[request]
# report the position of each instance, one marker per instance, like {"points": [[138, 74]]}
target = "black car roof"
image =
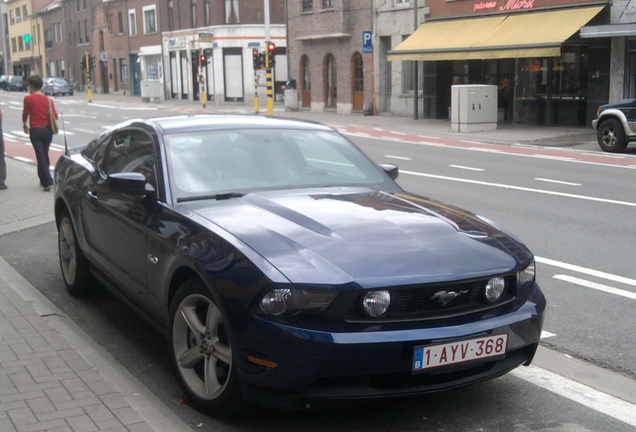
{"points": [[204, 122]]}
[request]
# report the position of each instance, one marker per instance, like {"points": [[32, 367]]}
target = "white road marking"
{"points": [[466, 168], [525, 189], [557, 181], [398, 157], [556, 158], [125, 108], [587, 271], [596, 286], [582, 394], [546, 334]]}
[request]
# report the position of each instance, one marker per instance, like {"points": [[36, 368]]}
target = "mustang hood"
{"points": [[371, 238]]}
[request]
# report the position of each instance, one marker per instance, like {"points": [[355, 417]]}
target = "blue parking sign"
{"points": [[367, 42]]}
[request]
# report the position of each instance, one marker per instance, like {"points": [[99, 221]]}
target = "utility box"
{"points": [[473, 108], [291, 100]]}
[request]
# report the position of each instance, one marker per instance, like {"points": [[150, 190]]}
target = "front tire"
{"points": [[611, 136], [73, 263], [201, 351]]}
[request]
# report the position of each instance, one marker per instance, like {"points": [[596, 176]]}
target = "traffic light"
{"points": [[92, 61], [203, 59], [83, 63], [195, 58], [270, 61], [257, 59]]}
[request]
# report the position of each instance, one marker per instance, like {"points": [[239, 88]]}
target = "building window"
{"points": [[132, 22], [358, 73], [18, 17], [48, 39], [400, 3], [150, 19], [79, 32], [170, 15], [330, 81], [327, 4], [194, 13], [408, 75], [232, 12], [207, 14], [25, 12], [14, 45], [123, 70], [308, 5], [120, 23], [86, 32], [57, 36]]}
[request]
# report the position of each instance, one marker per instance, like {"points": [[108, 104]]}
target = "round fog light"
{"points": [[376, 303], [495, 289]]}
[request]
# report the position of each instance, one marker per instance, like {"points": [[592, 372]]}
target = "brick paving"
{"points": [[46, 382]]}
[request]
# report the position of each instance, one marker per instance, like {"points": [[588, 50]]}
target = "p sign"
{"points": [[367, 42]]}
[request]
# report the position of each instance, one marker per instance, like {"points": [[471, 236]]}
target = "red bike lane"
{"points": [[22, 150], [627, 160]]}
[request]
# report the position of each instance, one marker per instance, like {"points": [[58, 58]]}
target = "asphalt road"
{"points": [[574, 216]]}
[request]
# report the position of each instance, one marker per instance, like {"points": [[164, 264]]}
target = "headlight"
{"points": [[376, 303], [527, 275], [292, 301], [495, 288]]}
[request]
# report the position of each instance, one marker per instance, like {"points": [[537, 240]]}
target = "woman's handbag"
{"points": [[52, 120]]}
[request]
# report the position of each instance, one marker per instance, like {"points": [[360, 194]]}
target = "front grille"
{"points": [[420, 301]]}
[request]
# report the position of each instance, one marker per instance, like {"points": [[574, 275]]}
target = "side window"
{"points": [[95, 149], [131, 151]]}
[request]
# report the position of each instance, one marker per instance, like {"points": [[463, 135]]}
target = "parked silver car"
{"points": [[55, 86]]}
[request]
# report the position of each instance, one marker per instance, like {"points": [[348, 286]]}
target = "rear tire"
{"points": [[611, 136], [201, 351], [73, 263]]}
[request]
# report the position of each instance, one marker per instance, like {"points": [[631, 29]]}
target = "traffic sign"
{"points": [[367, 42]]}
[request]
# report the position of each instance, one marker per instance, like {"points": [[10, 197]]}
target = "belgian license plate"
{"points": [[432, 356]]}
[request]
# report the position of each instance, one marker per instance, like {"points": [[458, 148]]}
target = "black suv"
{"points": [[615, 125]]}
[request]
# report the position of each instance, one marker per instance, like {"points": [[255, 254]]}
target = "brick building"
{"points": [[327, 57]]}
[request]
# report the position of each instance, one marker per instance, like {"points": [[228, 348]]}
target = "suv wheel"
{"points": [[611, 136]]}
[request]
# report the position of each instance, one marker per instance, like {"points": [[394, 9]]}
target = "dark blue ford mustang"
{"points": [[287, 268]]}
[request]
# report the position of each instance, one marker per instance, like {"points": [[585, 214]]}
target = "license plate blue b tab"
{"points": [[432, 356]]}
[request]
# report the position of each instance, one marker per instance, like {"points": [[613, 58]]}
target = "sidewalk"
{"points": [[55, 378]]}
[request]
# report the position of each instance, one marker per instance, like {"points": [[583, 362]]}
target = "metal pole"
{"points": [[415, 68], [268, 66]]}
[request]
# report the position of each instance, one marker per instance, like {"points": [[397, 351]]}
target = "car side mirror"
{"points": [[130, 183], [391, 170]]}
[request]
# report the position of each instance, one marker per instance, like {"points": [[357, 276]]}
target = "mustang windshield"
{"points": [[206, 163]]}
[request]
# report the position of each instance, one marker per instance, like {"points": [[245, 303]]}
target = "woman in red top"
{"points": [[36, 111]]}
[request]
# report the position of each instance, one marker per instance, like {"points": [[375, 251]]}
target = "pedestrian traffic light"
{"points": [[27, 38], [257, 59]]}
